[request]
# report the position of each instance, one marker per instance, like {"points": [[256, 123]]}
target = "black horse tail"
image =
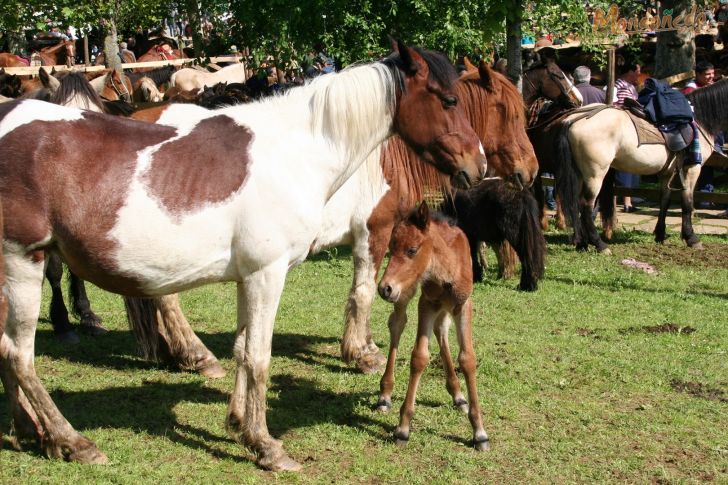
{"points": [[530, 244], [606, 205], [3, 298], [568, 179]]}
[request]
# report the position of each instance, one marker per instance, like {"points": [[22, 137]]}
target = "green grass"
{"points": [[573, 388]]}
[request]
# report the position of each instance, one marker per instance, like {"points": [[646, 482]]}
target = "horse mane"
{"points": [[159, 75], [408, 175], [441, 69], [473, 94], [75, 85], [710, 106]]}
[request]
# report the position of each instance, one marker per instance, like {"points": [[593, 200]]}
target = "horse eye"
{"points": [[411, 252], [449, 101]]}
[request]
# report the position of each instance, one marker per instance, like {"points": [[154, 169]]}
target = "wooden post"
{"points": [[611, 74], [86, 58]]}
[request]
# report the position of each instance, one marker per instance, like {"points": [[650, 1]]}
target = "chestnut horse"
{"points": [[432, 252], [12, 60], [361, 213], [160, 228], [62, 53]]}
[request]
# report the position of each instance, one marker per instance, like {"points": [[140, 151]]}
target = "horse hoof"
{"points": [[384, 405], [400, 437], [400, 443], [698, 246], [212, 370], [371, 363], [93, 330], [482, 445], [281, 463], [68, 338], [86, 453], [606, 252]]}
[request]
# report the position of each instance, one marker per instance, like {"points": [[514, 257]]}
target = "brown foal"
{"points": [[432, 251]]}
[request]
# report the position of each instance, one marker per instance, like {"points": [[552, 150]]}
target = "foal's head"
{"points": [[429, 119], [410, 248]]}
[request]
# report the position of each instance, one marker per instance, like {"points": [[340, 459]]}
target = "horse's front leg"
{"points": [[258, 298], [357, 343], [691, 174], [590, 235], [427, 316], [36, 416], [397, 322]]}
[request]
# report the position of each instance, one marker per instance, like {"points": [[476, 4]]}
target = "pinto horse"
{"points": [[160, 227], [361, 214], [431, 252], [617, 146]]}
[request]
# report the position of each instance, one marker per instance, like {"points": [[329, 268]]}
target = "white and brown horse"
{"points": [[231, 196], [361, 213], [189, 79]]}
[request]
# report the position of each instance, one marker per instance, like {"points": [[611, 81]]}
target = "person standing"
{"points": [[590, 94], [625, 88]]}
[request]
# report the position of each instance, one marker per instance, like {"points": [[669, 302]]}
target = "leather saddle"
{"points": [[677, 136]]}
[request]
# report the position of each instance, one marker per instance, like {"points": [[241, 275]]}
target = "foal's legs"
{"points": [[690, 178], [397, 322], [258, 298], [90, 322], [427, 316], [463, 325], [452, 383], [30, 402]]}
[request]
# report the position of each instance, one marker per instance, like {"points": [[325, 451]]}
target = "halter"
{"points": [[125, 94], [554, 76]]}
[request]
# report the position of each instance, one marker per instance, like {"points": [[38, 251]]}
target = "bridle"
{"points": [[557, 77], [124, 93]]}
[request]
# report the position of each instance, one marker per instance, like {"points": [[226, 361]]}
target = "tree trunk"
{"points": [[193, 14], [513, 43], [675, 49], [111, 47]]}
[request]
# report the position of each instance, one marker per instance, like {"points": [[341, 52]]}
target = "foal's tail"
{"points": [[568, 178], [530, 244]]}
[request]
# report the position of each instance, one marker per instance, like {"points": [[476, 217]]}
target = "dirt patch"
{"points": [[664, 328], [713, 255], [698, 389]]}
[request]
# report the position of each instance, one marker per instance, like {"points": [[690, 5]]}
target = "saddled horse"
{"points": [[124, 57], [193, 79], [608, 139], [160, 228], [62, 53], [12, 60], [159, 52]]}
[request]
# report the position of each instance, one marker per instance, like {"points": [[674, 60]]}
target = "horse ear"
{"points": [[422, 216], [412, 61], [486, 76], [48, 81], [469, 66]]}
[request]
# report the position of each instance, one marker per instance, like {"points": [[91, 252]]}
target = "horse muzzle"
{"points": [[389, 292]]}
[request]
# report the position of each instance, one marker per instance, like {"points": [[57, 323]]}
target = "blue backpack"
{"points": [[663, 104]]}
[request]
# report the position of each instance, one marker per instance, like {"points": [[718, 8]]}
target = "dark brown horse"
{"points": [[431, 252]]}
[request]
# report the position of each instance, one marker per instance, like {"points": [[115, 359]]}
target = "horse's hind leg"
{"points": [[58, 312], [90, 322], [660, 229], [397, 322], [163, 333], [452, 383], [357, 343], [33, 408], [427, 317], [688, 234], [463, 324]]}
